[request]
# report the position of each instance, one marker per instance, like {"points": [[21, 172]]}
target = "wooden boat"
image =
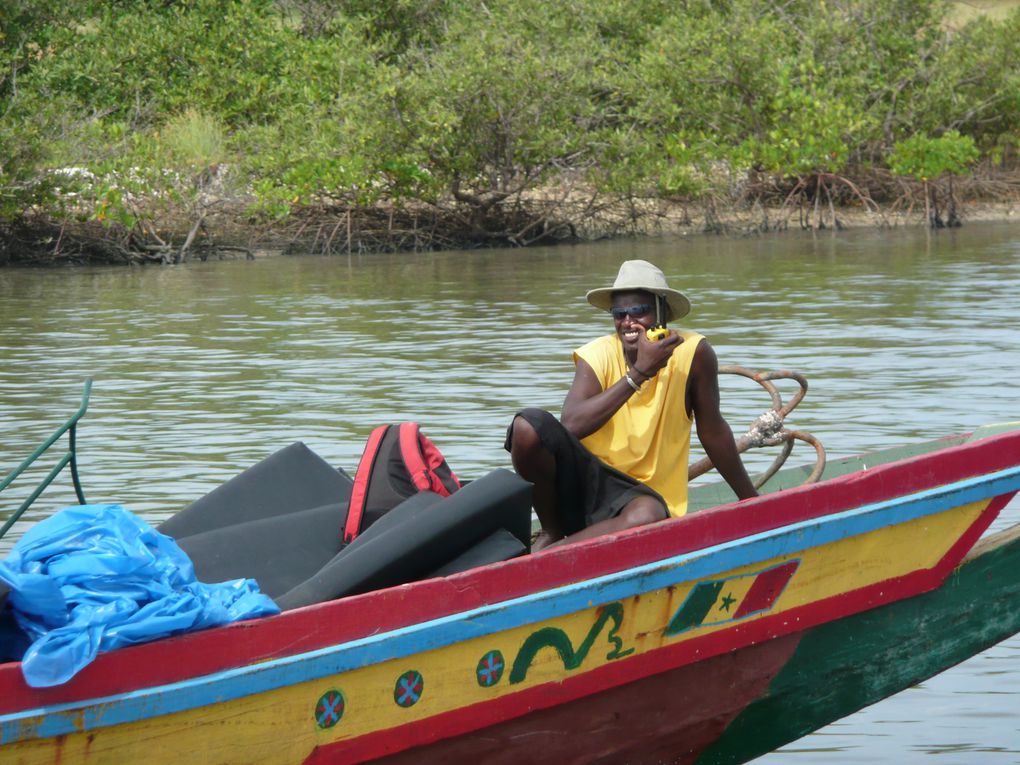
{"points": [[711, 638]]}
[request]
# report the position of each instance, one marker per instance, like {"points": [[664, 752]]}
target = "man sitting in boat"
{"points": [[617, 457]]}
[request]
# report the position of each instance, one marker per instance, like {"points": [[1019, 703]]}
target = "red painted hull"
{"points": [[666, 718]]}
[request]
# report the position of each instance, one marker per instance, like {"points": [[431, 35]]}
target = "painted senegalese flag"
{"points": [[736, 597]]}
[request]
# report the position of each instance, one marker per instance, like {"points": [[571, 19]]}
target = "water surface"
{"points": [[202, 370]]}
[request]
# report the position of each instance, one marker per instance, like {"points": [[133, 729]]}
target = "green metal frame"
{"points": [[70, 457]]}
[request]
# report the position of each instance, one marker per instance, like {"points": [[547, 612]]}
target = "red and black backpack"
{"points": [[398, 462]]}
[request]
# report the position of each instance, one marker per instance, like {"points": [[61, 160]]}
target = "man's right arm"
{"points": [[587, 407]]}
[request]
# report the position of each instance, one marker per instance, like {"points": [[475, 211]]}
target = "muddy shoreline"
{"points": [[336, 230]]}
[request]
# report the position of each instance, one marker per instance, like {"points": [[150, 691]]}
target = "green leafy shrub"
{"points": [[926, 159]]}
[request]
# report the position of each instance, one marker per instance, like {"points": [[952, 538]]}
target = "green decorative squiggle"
{"points": [[553, 637]]}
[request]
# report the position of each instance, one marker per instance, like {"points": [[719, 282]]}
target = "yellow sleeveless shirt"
{"points": [[649, 437]]}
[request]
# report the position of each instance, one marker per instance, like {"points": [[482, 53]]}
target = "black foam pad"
{"points": [[279, 552], [499, 545], [291, 480], [420, 536]]}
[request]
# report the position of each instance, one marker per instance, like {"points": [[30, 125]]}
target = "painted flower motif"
{"points": [[329, 709], [490, 669], [409, 688]]}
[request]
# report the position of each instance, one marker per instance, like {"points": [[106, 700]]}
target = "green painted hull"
{"points": [[703, 496], [843, 666]]}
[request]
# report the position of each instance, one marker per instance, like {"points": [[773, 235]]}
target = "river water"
{"points": [[203, 369]]}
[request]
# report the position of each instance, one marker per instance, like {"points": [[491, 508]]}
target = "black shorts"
{"points": [[587, 489]]}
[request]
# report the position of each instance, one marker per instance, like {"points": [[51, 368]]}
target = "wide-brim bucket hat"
{"points": [[642, 275]]}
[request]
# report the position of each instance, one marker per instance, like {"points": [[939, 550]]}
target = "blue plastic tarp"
{"points": [[95, 577]]}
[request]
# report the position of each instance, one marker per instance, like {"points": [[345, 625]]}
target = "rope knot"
{"points": [[765, 430]]}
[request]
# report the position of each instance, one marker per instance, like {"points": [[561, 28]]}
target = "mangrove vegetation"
{"points": [[151, 130]]}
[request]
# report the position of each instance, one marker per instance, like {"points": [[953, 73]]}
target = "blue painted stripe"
{"points": [[486, 620]]}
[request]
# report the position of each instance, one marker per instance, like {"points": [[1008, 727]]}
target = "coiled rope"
{"points": [[768, 428]]}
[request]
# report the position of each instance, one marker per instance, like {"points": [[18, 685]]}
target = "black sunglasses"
{"points": [[633, 311]]}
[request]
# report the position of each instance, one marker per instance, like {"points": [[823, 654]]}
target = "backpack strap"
{"points": [[422, 458], [359, 492]]}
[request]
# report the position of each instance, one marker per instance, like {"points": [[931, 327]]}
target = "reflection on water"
{"points": [[202, 370]]}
